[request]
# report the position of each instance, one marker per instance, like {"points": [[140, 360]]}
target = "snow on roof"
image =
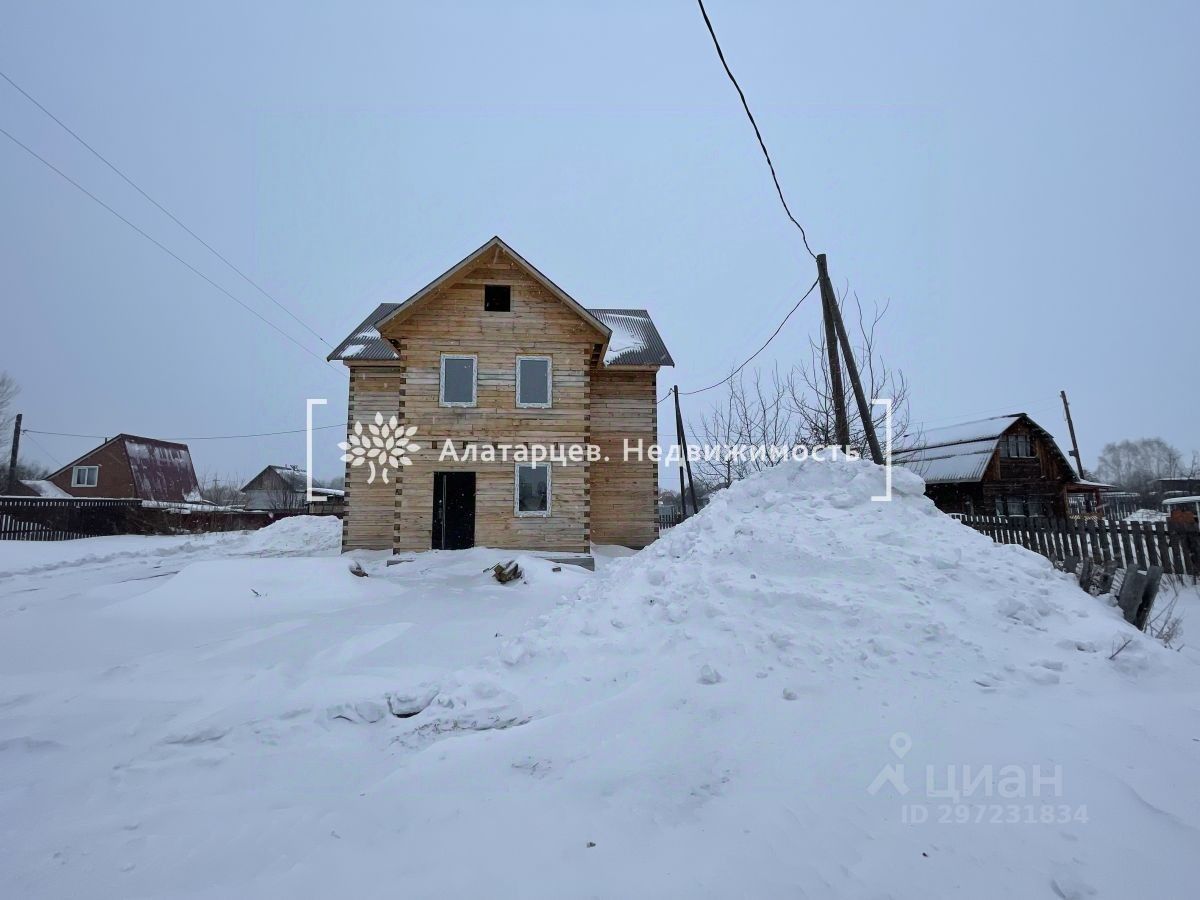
{"points": [[634, 342], [1177, 500], [365, 342], [44, 488], [956, 453], [955, 462], [962, 432], [296, 479], [961, 452], [162, 470]]}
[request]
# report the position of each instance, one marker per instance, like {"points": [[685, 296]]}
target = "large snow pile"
{"points": [[297, 534], [798, 692], [713, 715], [318, 535]]}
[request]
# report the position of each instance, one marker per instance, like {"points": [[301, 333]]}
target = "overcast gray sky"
{"points": [[1018, 180]]}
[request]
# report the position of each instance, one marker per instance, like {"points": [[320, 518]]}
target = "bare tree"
{"points": [[796, 407], [8, 393], [222, 490], [1136, 465], [813, 398]]}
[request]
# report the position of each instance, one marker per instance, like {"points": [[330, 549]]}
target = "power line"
{"points": [[36, 443], [158, 243], [964, 418], [775, 333], [757, 133], [96, 153], [206, 437]]}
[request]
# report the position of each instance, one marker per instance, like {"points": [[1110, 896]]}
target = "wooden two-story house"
{"points": [[488, 358], [1002, 466]]}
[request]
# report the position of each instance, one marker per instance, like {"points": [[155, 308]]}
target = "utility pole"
{"points": [[686, 462], [841, 427], [1074, 442], [864, 409], [12, 460]]}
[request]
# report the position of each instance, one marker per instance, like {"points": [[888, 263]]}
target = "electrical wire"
{"points": [[161, 245], [758, 134], [774, 334], [206, 437], [96, 153]]}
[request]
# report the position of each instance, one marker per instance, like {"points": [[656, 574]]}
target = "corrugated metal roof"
{"points": [[365, 341], [961, 452], [635, 341], [162, 470]]}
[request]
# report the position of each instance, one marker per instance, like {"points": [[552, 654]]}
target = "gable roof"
{"points": [[161, 470], [631, 329], [961, 453], [458, 269], [295, 480]]}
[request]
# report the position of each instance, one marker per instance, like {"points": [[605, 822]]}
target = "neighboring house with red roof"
{"points": [[128, 466]]}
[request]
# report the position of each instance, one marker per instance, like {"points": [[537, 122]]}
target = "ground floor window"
{"points": [[532, 490], [85, 476]]}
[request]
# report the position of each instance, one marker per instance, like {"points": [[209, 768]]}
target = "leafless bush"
{"points": [[796, 406], [1166, 625]]}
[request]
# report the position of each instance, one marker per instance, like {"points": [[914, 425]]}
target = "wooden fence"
{"points": [[1174, 547], [668, 520], [56, 519], [43, 519]]}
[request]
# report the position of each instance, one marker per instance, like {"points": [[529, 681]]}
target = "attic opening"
{"points": [[497, 298]]}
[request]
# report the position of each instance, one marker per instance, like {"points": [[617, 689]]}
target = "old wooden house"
{"points": [[489, 358], [1002, 466], [285, 489], [128, 466]]}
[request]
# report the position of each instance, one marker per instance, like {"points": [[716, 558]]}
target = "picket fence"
{"points": [[1174, 547]]}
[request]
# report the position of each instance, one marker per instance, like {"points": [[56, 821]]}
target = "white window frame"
{"points": [[77, 470], [517, 511], [442, 401], [549, 360]]}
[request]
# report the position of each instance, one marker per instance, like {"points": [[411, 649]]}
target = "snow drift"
{"points": [[709, 717], [798, 692]]}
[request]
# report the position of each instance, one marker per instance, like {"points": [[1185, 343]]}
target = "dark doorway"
{"points": [[453, 510]]}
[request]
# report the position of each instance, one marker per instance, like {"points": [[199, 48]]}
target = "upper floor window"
{"points": [[85, 476], [1016, 446], [497, 298], [533, 381], [457, 380]]}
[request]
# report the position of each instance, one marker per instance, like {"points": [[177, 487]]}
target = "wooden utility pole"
{"points": [[12, 460], [686, 462], [1071, 428], [841, 427], [864, 408]]}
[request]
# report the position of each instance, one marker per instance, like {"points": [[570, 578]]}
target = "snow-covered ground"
{"points": [[798, 692]]}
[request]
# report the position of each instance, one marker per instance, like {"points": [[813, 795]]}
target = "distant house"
{"points": [[1002, 466], [1179, 486], [127, 466], [285, 489]]}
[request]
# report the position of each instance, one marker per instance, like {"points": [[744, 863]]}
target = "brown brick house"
{"points": [[489, 356], [128, 466]]}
